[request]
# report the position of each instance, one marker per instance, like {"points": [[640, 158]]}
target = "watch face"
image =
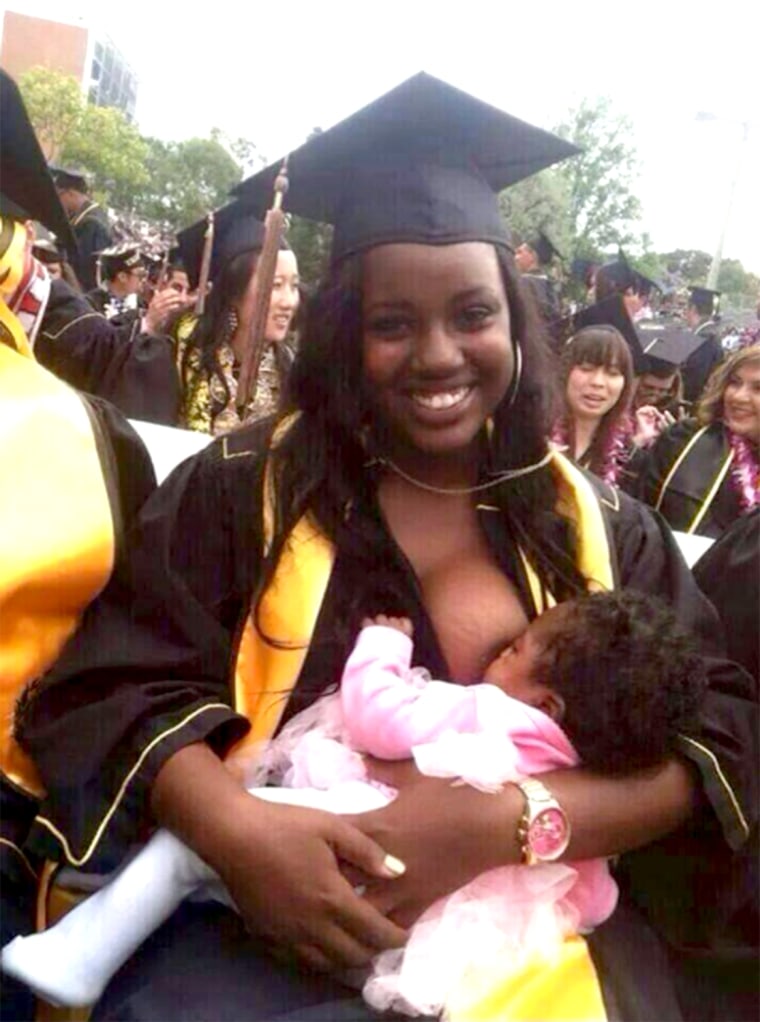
{"points": [[548, 834]]}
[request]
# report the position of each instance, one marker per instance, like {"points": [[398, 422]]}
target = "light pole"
{"points": [[712, 276]]}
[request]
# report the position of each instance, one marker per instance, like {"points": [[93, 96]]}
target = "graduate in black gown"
{"points": [[703, 474], [122, 272], [534, 258], [700, 317], [419, 454], [88, 220], [73, 474]]}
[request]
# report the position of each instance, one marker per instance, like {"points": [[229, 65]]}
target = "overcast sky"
{"points": [[272, 71]]}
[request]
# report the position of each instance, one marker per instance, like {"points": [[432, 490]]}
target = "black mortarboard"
{"points": [[236, 230], [27, 191], [125, 256], [609, 312], [423, 163], [47, 251], [70, 177], [704, 298], [581, 269], [544, 247], [616, 276], [645, 285], [666, 345]]}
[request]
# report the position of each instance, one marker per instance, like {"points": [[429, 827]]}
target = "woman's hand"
{"points": [[285, 879], [649, 423], [280, 863]]}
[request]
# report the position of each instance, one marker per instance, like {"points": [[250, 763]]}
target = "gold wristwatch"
{"points": [[544, 829]]}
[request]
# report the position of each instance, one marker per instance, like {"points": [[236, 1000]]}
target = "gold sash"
{"points": [[56, 533], [568, 989]]}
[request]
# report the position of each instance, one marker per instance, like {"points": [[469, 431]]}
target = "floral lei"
{"points": [[615, 454], [745, 471]]}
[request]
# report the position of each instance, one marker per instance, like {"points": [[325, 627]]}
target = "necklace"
{"points": [[502, 477]]}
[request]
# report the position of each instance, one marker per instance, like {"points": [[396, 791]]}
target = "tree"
{"points": [[72, 131], [184, 180], [603, 209], [539, 203], [55, 106]]}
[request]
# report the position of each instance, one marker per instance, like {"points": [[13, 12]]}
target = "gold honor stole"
{"points": [[56, 533], [564, 986]]}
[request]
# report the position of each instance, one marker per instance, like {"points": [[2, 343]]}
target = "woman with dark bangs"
{"points": [[596, 376], [412, 477]]}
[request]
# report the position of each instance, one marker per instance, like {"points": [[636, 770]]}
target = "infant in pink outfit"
{"points": [[606, 679]]}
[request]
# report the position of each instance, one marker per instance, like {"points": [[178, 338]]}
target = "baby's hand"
{"points": [[401, 624]]}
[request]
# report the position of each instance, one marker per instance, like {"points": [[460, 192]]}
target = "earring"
{"points": [[517, 375], [233, 322]]}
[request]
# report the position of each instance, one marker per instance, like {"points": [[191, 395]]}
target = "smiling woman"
{"points": [[703, 474], [410, 477]]}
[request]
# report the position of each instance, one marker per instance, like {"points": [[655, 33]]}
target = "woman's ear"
{"points": [[553, 705]]}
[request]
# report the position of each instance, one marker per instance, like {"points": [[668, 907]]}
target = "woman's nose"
{"points": [[436, 350]]}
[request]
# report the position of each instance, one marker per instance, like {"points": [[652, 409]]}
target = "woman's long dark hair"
{"points": [[212, 329], [320, 462], [599, 346]]}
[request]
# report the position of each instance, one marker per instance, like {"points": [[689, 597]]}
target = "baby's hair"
{"points": [[631, 679]]}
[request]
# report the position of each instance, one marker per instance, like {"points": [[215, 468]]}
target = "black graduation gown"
{"points": [[688, 488], [134, 371], [696, 370], [129, 475], [92, 234], [544, 291], [729, 574], [177, 611]]}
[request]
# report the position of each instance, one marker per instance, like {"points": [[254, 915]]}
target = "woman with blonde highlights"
{"points": [[704, 473]]}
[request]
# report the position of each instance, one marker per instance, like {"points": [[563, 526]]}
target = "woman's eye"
{"points": [[475, 316], [388, 326]]}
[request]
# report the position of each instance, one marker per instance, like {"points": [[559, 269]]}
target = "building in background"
{"points": [[73, 48]]}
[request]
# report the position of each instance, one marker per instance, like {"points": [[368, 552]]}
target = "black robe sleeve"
{"points": [[729, 575], [147, 673], [134, 371]]}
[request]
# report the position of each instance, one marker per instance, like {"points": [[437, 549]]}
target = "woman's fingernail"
{"points": [[394, 865]]}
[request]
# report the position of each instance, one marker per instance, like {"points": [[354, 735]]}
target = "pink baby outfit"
{"points": [[476, 734]]}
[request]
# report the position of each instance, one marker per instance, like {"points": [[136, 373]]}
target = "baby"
{"points": [[605, 679]]}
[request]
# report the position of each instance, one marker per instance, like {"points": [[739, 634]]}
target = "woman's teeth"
{"points": [[441, 400]]}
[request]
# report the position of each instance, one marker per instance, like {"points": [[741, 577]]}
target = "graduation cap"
{"points": [[704, 299], [645, 285], [237, 229], [544, 247], [616, 276], [423, 163], [666, 346], [124, 256], [70, 177], [609, 312], [46, 250], [581, 269], [27, 191]]}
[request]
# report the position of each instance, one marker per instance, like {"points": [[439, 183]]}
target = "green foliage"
{"points": [[184, 180], [603, 209], [55, 106], [539, 203], [111, 149], [311, 243], [72, 131]]}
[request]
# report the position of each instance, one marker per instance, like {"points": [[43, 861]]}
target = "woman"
{"points": [[415, 480], [704, 474], [210, 349]]}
